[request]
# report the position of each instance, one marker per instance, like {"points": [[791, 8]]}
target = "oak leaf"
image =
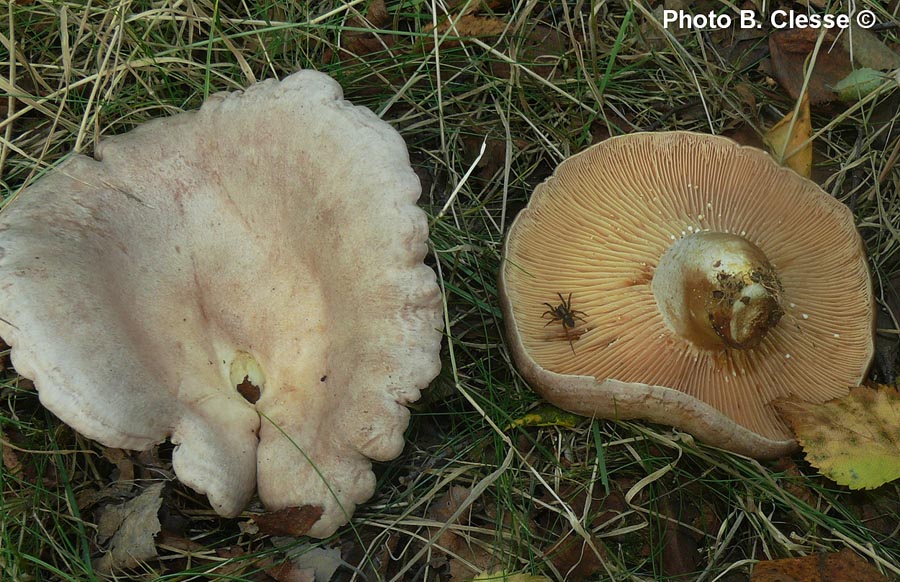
{"points": [[854, 440]]}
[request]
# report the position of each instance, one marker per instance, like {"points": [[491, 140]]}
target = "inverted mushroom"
{"points": [[269, 242], [683, 279]]}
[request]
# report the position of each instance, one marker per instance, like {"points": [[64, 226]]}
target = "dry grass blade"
{"points": [[489, 96]]}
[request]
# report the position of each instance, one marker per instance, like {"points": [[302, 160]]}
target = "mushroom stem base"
{"points": [[718, 291]]}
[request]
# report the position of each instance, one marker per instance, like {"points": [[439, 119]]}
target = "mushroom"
{"points": [[248, 280], [686, 280]]}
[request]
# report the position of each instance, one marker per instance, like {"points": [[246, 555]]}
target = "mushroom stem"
{"points": [[717, 290]]}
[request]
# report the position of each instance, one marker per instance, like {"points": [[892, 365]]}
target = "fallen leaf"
{"points": [[680, 555], [504, 577], [790, 141], [230, 568], [854, 440], [546, 415], [877, 512], [130, 528], [868, 50], [371, 552], [794, 481], [290, 521], [359, 43], [542, 51], [574, 558], [455, 550], [18, 461], [858, 84], [746, 134], [470, 26], [321, 562], [789, 50], [887, 346], [287, 572], [843, 566], [471, 7], [124, 473]]}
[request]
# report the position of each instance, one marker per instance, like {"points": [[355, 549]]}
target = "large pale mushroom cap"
{"points": [[272, 235], [705, 281]]}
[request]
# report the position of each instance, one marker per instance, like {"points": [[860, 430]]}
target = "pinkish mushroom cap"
{"points": [[273, 236], [683, 279]]}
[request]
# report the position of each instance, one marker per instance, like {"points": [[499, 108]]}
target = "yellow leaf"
{"points": [[546, 415], [854, 440], [789, 140]]}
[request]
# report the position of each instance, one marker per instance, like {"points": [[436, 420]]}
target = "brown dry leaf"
{"points": [[790, 141], [469, 25], [746, 135], [287, 572], [377, 13], [680, 555], [11, 460], [473, 6], [359, 43], [573, 557], [500, 576], [464, 26], [124, 473], [541, 52], [794, 480], [571, 554], [19, 462], [854, 440], [4, 348], [790, 48], [290, 521], [868, 50], [843, 566], [472, 558], [321, 561], [131, 528], [225, 569]]}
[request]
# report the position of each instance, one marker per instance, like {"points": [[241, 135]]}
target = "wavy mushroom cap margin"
{"points": [[271, 236], [686, 280]]}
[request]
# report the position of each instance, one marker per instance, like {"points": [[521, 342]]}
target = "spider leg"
{"points": [[567, 330], [552, 313]]}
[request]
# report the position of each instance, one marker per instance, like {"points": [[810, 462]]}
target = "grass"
{"points": [[486, 119]]}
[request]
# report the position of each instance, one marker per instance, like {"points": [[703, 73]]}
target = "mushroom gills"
{"points": [[718, 291]]}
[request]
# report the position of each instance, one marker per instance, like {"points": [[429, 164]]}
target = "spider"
{"points": [[564, 314]]}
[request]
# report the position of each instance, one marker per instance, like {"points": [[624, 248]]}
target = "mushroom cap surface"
{"points": [[597, 230], [272, 235]]}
